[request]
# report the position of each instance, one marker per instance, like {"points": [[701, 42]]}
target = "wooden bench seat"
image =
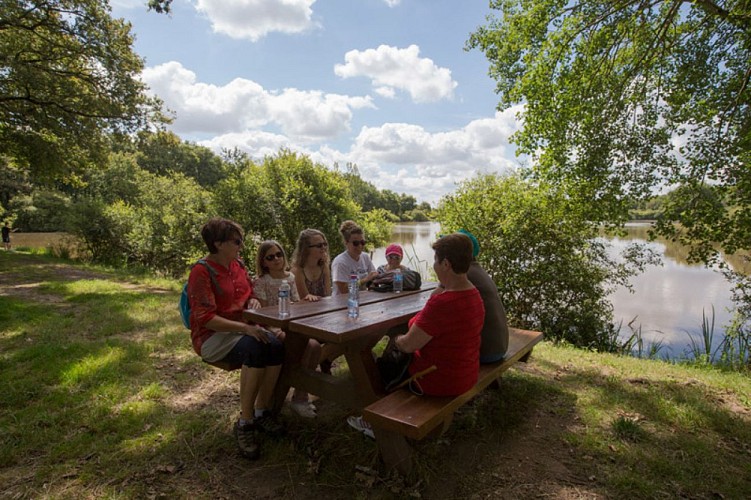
{"points": [[405, 414]]}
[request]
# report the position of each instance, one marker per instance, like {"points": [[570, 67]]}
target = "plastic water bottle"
{"points": [[353, 301], [284, 299], [398, 281]]}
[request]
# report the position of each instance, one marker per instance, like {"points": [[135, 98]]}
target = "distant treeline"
{"points": [[146, 204]]}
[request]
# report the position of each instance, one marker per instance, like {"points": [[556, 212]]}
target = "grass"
{"points": [[103, 397]]}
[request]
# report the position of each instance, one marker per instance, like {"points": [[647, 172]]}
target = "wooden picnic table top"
{"points": [[303, 309], [336, 327]]}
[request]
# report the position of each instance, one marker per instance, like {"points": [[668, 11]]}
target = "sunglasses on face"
{"points": [[319, 245], [274, 256], [358, 243], [393, 256]]}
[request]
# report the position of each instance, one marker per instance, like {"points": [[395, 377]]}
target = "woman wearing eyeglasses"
{"points": [[271, 272], [353, 260], [310, 265], [219, 333]]}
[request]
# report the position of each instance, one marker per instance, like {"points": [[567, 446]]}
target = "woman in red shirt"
{"points": [[219, 332], [446, 333]]}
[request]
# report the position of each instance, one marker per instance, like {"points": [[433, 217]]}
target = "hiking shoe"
{"points": [[269, 425], [303, 408], [361, 425], [246, 441]]}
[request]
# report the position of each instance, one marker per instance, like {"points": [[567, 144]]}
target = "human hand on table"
{"points": [[254, 304], [312, 298]]}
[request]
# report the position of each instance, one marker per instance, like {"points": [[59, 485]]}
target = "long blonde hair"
{"points": [[302, 250]]}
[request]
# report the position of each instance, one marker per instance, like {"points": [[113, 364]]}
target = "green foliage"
{"points": [[154, 222], [369, 197], [43, 210], [623, 100], [552, 271], [69, 79], [377, 228], [163, 152], [283, 196]]}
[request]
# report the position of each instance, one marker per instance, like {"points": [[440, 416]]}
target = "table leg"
{"points": [[294, 348], [363, 370]]}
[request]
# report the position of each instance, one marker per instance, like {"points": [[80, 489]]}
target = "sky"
{"points": [[384, 84]]}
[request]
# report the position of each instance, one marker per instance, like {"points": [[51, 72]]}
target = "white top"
{"points": [[266, 288], [344, 265]]}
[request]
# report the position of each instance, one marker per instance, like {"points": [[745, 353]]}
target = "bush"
{"points": [[552, 271]]}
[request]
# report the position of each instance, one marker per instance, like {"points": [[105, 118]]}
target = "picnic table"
{"points": [[381, 313], [396, 417]]}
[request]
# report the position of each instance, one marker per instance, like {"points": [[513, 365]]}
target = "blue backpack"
{"points": [[184, 304]]}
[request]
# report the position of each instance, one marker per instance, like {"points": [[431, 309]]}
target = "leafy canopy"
{"points": [[68, 79], [629, 98]]}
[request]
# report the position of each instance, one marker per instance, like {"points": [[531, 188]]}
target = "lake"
{"points": [[667, 302]]}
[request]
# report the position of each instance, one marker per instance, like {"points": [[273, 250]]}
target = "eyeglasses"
{"points": [[273, 256], [319, 245], [358, 243], [394, 256]]}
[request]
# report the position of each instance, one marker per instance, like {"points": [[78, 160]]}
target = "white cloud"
{"points": [[402, 157], [254, 19], [392, 3], [392, 68], [243, 104]]}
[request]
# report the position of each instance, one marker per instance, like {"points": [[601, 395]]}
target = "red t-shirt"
{"points": [[454, 321], [205, 302]]}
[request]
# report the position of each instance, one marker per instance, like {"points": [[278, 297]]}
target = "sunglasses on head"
{"points": [[273, 256], [319, 245], [358, 243]]}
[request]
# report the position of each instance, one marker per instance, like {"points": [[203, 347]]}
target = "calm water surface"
{"points": [[667, 301]]}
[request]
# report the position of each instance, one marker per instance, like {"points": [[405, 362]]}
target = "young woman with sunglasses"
{"points": [[310, 265], [271, 272], [354, 260]]}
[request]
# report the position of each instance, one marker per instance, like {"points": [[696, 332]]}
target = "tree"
{"points": [[68, 79], [627, 99], [163, 152], [283, 196], [552, 271]]}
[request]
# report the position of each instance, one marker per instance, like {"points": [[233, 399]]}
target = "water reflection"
{"points": [[667, 301]]}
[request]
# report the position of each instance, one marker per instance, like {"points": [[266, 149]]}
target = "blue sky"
{"points": [[385, 84]]}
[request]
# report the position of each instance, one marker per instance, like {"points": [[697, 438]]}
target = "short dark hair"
{"points": [[219, 229], [457, 248]]}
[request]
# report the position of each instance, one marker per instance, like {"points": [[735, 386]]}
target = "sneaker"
{"points": [[361, 425], [303, 408], [268, 424], [246, 441]]}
